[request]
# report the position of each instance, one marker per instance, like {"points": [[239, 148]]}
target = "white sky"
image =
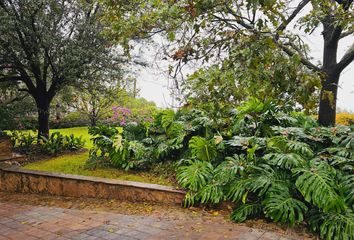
{"points": [[153, 80]]}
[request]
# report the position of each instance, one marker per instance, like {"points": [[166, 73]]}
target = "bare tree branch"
{"points": [[301, 5], [11, 78], [18, 98], [303, 60], [347, 33], [346, 59]]}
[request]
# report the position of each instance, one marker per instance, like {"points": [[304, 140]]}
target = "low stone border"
{"points": [[6, 155], [15, 179]]}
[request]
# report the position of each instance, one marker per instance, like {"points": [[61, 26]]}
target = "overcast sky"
{"points": [[154, 83]]}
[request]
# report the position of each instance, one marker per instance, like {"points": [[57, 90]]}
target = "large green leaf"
{"points": [[284, 160], [318, 186], [196, 175], [347, 185], [246, 211], [280, 206], [332, 225], [202, 148]]}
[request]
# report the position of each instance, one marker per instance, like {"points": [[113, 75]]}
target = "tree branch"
{"points": [[303, 60], [346, 59], [11, 78], [301, 5], [347, 33], [19, 98]]}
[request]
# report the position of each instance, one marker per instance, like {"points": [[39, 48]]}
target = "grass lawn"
{"points": [[77, 131], [74, 163]]}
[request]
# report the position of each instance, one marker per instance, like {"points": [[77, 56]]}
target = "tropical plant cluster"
{"points": [[269, 161], [56, 142]]}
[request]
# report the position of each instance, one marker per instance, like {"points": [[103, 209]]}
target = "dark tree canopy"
{"points": [[208, 30], [46, 45]]}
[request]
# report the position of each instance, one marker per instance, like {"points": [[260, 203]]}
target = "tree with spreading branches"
{"points": [[208, 30], [46, 45]]}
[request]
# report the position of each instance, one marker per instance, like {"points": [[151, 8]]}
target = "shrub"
{"points": [[56, 143], [27, 141], [22, 140], [290, 173], [272, 162], [344, 118], [72, 119]]}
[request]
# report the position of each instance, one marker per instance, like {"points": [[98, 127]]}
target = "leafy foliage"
{"points": [[271, 163], [54, 144], [196, 175], [333, 225], [280, 206], [202, 148], [292, 171], [317, 185], [246, 211]]}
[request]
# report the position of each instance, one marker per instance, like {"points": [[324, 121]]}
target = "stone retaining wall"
{"points": [[5, 151], [14, 179]]}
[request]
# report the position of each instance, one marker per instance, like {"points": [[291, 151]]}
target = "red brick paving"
{"points": [[26, 222]]}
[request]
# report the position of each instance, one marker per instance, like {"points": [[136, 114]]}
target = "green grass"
{"points": [[77, 131], [74, 163]]}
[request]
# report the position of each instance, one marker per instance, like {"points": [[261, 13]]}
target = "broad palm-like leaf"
{"points": [[284, 160], [236, 189], [341, 151], [347, 185], [202, 148], [231, 166], [343, 163], [300, 148], [189, 199], [196, 175], [246, 211], [265, 177], [167, 118], [211, 193], [280, 206], [292, 132], [175, 129], [317, 185], [333, 225], [347, 141]]}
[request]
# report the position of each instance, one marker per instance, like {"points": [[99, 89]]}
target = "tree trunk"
{"points": [[328, 101], [328, 97], [93, 121], [43, 117]]}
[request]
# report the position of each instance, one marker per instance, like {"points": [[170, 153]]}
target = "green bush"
{"points": [[272, 162], [72, 119], [286, 169], [22, 140], [56, 143], [27, 141]]}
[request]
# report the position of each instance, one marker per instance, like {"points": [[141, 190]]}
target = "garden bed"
{"points": [[14, 179], [74, 163]]}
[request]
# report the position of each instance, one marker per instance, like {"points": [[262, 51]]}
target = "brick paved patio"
{"points": [[26, 222]]}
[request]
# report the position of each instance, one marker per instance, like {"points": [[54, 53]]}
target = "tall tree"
{"points": [[46, 45], [97, 93], [205, 29]]}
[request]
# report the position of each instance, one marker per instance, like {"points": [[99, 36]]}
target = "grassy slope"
{"points": [[74, 163]]}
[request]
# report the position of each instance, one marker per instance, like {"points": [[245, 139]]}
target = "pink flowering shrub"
{"points": [[121, 115]]}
